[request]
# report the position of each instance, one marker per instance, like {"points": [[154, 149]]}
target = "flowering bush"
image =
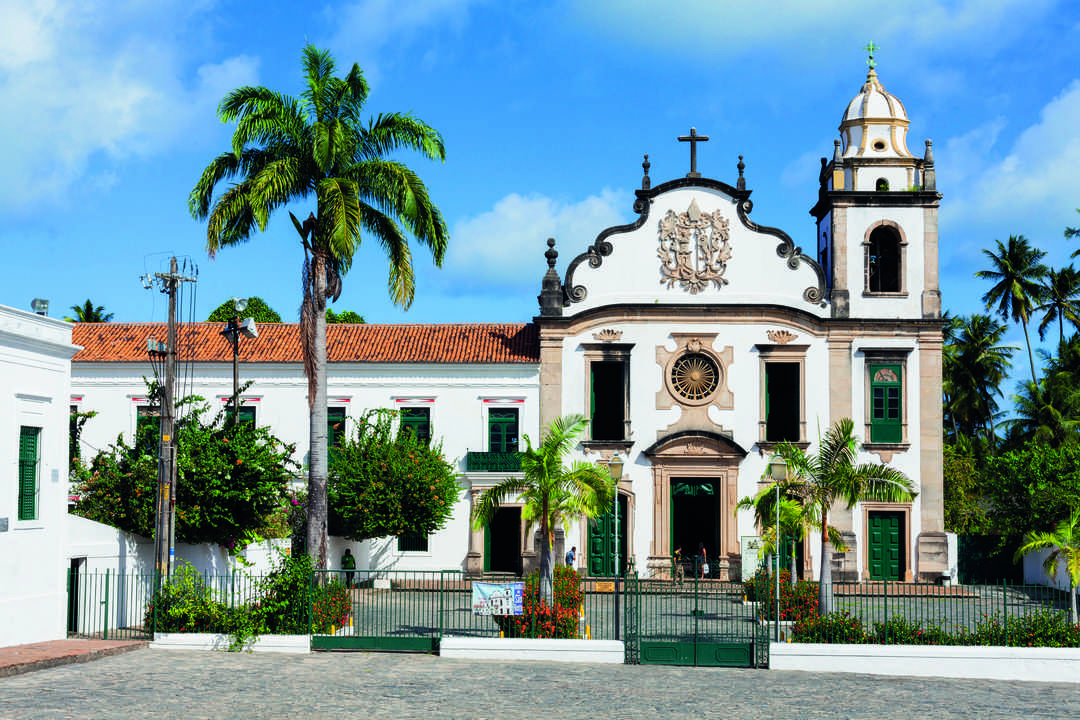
{"points": [[797, 602], [898, 630], [330, 607], [540, 620]]}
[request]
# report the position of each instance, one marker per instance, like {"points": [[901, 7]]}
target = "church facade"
{"points": [[694, 339]]}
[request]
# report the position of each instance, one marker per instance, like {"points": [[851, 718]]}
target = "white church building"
{"points": [[694, 339]]}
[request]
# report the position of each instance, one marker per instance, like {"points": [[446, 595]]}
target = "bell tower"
{"points": [[877, 213]]}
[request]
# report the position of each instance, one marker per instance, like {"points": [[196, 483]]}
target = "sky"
{"points": [[546, 108]]}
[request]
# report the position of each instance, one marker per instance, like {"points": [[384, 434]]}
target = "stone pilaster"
{"points": [[931, 295]]}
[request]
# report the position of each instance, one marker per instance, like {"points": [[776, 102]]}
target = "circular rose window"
{"points": [[694, 376]]}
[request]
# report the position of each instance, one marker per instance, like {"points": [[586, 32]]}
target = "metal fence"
{"points": [[923, 613], [411, 604], [108, 605]]}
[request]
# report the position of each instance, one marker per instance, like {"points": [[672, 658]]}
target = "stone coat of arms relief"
{"points": [[694, 249]]}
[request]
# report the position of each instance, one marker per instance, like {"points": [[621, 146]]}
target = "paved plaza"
{"points": [[189, 685]]}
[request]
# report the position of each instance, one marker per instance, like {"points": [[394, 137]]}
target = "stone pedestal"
{"points": [[474, 563], [933, 561]]}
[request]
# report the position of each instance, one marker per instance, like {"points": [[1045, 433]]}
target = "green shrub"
{"points": [[897, 630], [540, 620], [1044, 628], [285, 595], [186, 604], [831, 628]]}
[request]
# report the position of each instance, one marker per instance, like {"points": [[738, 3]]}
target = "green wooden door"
{"points": [[884, 546], [602, 538]]}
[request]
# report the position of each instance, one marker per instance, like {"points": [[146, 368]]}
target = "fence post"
{"points": [[442, 593], [105, 602], [885, 584], [1005, 609]]}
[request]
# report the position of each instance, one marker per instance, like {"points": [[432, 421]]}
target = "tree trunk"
{"points": [[1072, 606], [1031, 357], [317, 510], [547, 589], [825, 592]]}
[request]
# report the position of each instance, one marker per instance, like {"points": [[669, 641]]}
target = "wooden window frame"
{"points": [[874, 358], [791, 354], [902, 261], [607, 352]]}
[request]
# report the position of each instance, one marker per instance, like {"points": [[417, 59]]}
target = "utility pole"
{"points": [[165, 522]]}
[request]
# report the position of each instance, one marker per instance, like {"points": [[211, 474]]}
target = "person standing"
{"points": [[348, 564], [571, 556]]}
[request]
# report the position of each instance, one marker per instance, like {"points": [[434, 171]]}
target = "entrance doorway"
{"points": [[695, 517], [502, 541], [884, 549], [602, 534]]}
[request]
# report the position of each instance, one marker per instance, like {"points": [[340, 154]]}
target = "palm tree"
{"points": [[832, 476], [1065, 543], [1017, 274], [89, 313], [1061, 293], [974, 366], [795, 521], [285, 150], [552, 493], [1050, 414]]}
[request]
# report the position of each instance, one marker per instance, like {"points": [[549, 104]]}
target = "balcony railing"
{"points": [[492, 462]]}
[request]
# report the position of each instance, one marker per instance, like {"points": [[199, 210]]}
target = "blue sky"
{"points": [[546, 108]]}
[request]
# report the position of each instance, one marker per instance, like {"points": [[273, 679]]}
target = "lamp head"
{"points": [[778, 470], [615, 467], [40, 306], [240, 304]]}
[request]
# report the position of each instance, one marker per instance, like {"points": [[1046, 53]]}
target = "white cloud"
{"points": [[1030, 188], [505, 246], [88, 84]]}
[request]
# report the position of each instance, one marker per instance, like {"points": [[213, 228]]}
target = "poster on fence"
{"points": [[497, 598]]}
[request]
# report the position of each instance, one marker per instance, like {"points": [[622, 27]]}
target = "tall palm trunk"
{"points": [[317, 511], [1031, 356], [825, 591], [1072, 603]]}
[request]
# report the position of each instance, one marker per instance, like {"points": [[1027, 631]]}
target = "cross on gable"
{"points": [[693, 138]]}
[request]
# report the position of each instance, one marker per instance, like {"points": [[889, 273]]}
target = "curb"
{"points": [[70, 659]]}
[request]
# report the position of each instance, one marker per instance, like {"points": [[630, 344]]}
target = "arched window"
{"points": [[883, 261], [882, 185]]}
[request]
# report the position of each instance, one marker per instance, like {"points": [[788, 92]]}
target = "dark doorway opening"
{"points": [[695, 517], [782, 402], [73, 595], [502, 542]]}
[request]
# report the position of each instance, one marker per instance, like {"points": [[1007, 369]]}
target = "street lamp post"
{"points": [[778, 470], [615, 467], [233, 330]]}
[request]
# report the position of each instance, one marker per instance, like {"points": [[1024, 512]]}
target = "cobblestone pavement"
{"points": [[191, 685]]}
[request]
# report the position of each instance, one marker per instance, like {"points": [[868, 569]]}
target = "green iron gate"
{"points": [[696, 622]]}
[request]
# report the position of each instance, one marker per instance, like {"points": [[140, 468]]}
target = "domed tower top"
{"points": [[875, 123]]}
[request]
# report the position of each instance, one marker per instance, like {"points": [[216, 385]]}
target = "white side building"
{"points": [[35, 383]]}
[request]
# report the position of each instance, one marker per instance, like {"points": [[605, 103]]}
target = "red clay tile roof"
{"points": [[203, 342]]}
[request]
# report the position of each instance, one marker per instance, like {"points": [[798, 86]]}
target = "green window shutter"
{"points": [[417, 420], [28, 472], [503, 430], [886, 398], [335, 426]]}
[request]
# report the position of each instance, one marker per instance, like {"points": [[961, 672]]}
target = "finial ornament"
{"points": [[693, 138], [741, 184], [551, 254], [870, 48], [645, 182]]}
